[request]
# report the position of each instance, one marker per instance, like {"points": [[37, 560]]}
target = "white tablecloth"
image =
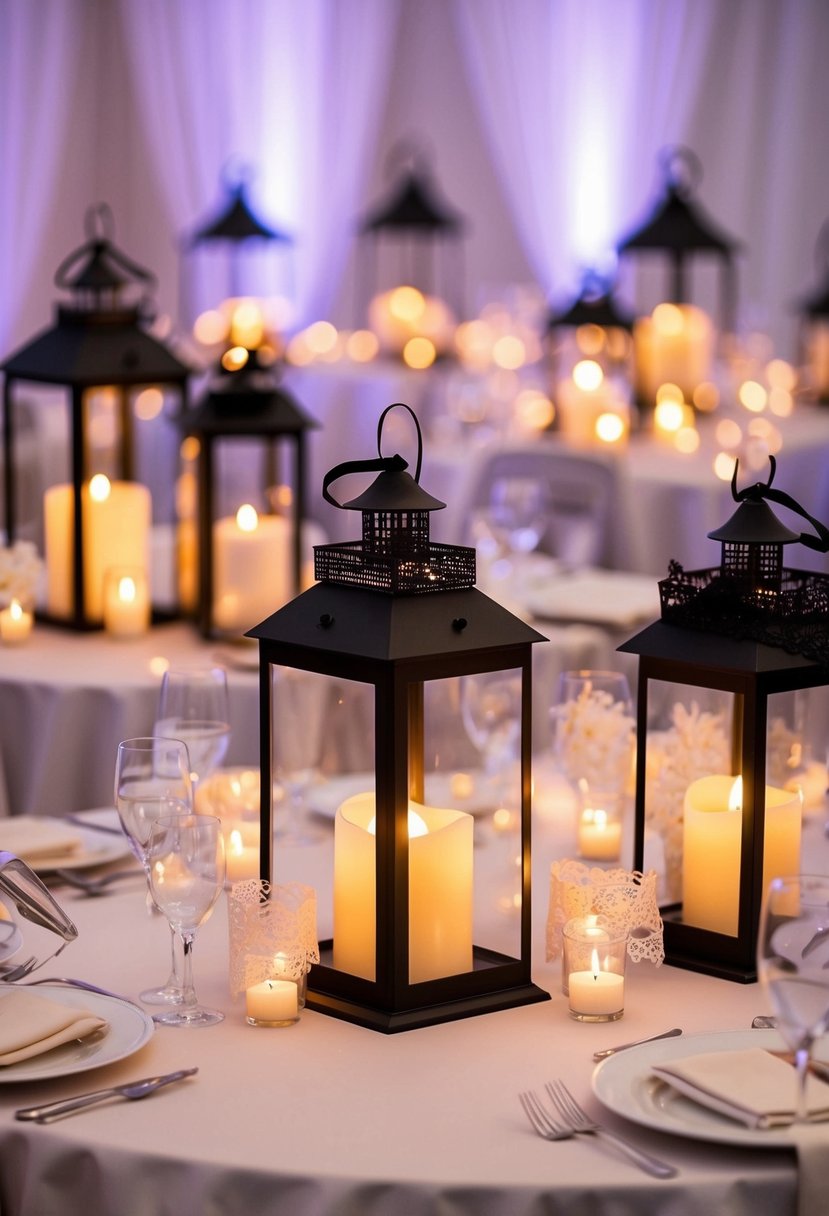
{"points": [[328, 1119]]}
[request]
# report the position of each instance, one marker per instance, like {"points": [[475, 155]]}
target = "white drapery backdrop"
{"points": [[39, 54], [292, 89], [578, 97]]}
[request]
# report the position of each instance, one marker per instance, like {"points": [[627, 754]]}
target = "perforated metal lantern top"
{"points": [[396, 554]]}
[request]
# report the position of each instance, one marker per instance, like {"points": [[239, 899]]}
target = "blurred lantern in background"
{"points": [[593, 326], [236, 568], [101, 350], [410, 277], [814, 325]]}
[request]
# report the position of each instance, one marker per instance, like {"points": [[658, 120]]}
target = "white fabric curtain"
{"points": [[39, 52], [578, 97], [292, 89]]}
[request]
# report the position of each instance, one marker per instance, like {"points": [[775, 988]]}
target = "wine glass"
{"points": [[152, 779], [793, 966], [187, 872], [300, 702], [193, 706], [491, 714]]}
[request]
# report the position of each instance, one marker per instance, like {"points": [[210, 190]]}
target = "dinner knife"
{"points": [[48, 1111]]}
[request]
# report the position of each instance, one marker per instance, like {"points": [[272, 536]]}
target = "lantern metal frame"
{"points": [[98, 340], [396, 643], [753, 638], [678, 228], [244, 405]]}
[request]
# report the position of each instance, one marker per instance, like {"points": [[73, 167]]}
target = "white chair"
{"points": [[560, 500]]}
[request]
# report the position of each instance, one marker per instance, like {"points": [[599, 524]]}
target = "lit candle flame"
{"points": [[247, 519], [735, 798], [417, 825]]}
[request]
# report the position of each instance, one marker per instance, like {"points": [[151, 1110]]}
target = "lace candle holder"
{"points": [[273, 942], [625, 900]]}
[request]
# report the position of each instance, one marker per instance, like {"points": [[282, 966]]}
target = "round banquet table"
{"points": [[326, 1118]]}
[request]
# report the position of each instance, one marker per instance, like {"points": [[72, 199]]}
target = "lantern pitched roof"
{"points": [[388, 628], [236, 221], [754, 522], [701, 649]]}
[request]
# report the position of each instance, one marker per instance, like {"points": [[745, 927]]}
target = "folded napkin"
{"points": [[752, 1086], [33, 839], [31, 1024]]}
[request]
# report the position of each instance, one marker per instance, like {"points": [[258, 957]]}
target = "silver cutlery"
{"points": [[10, 972], [652, 1038], [764, 1022], [96, 884], [66, 982], [577, 1121], [92, 826], [134, 1090]]}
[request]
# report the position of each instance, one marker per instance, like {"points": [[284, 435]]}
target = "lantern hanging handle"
{"points": [[99, 227], [388, 464], [762, 490], [400, 405], [681, 169]]}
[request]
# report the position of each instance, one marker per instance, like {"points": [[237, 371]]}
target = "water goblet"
{"points": [[152, 779], [793, 966], [193, 706], [187, 872], [594, 731]]}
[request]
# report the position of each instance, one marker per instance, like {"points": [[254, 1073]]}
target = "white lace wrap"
{"points": [[624, 898], [271, 929]]}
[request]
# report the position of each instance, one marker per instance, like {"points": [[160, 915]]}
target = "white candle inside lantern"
{"points": [[591, 408], [599, 836], [116, 531], [252, 572], [440, 890], [712, 843], [675, 345], [15, 624], [126, 603]]}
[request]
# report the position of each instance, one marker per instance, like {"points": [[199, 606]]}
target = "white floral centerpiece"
{"points": [[20, 571], [595, 739]]}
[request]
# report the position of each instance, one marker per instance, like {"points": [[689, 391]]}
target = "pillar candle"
{"points": [[126, 603], [585, 399], [673, 346], [599, 837], [711, 850], [252, 571], [440, 890], [116, 530], [15, 624]]}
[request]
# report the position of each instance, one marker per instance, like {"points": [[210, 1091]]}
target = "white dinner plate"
{"points": [[594, 597], [625, 1084], [129, 1029], [96, 848]]}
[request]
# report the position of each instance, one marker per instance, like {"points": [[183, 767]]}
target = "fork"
{"points": [[577, 1121], [96, 884], [17, 971]]}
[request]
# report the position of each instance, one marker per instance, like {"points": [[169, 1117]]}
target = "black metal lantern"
{"points": [[247, 563], [679, 229], [717, 742], [412, 238], [814, 325], [230, 239], [602, 326], [100, 350], [396, 621]]}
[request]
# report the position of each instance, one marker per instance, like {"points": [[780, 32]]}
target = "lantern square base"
{"points": [[433, 1015], [708, 953]]}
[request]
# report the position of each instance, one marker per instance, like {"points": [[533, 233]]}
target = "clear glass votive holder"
{"points": [[273, 943], [275, 1002], [593, 968]]}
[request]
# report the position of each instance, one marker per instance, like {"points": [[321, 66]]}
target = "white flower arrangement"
{"points": [[595, 739], [694, 746], [20, 571]]}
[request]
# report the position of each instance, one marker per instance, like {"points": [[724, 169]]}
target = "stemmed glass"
{"points": [[152, 779], [300, 707], [187, 871], [594, 730], [491, 714], [193, 706], [793, 966]]}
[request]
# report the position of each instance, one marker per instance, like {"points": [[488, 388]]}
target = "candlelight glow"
{"points": [[781, 402], [417, 825], [587, 375], [735, 798], [247, 519], [419, 353], [247, 324], [669, 319], [594, 963], [781, 374], [149, 404], [534, 409], [670, 392], [687, 440], [127, 589], [753, 396], [16, 610], [100, 488], [590, 339], [362, 346], [669, 415], [321, 337], [210, 327], [610, 428], [729, 433], [706, 397], [234, 359], [723, 466], [509, 352], [190, 448], [407, 304], [158, 664]]}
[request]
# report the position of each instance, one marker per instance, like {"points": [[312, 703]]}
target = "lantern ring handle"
{"points": [[400, 405], [387, 464], [819, 541], [681, 168]]}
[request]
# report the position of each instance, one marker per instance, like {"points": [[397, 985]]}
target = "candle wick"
{"points": [[270, 985]]}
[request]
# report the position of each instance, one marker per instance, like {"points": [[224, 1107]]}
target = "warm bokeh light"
{"points": [[234, 359], [610, 428], [148, 404], [753, 396], [247, 519], [781, 374], [762, 428], [669, 392], [320, 337], [781, 402], [706, 397], [158, 665], [190, 448], [419, 353], [298, 352], [127, 589], [668, 318], [687, 440], [104, 397], [281, 497], [728, 433], [247, 324], [99, 488], [534, 409], [587, 375], [669, 415], [509, 352], [210, 327], [362, 346], [473, 342], [407, 304], [724, 466], [590, 339]]}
